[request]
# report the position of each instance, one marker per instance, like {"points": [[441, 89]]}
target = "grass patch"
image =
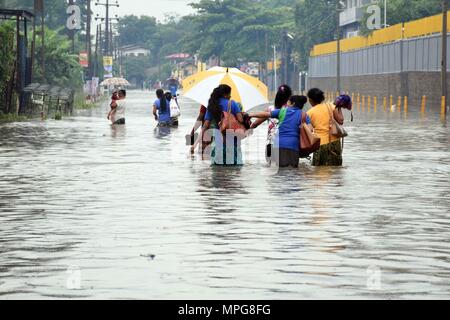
{"points": [[8, 118]]}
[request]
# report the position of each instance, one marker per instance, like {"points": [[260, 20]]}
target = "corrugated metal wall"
{"points": [[419, 54]]}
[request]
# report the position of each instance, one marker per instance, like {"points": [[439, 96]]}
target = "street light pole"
{"points": [[338, 62], [444, 52], [275, 68], [385, 13], [88, 37], [340, 7]]}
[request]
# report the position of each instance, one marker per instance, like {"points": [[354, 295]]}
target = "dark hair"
{"points": [[162, 100], [283, 95], [298, 101], [168, 96], [316, 95], [214, 102], [123, 92]]}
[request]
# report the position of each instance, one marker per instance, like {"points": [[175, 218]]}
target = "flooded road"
{"points": [[88, 212]]}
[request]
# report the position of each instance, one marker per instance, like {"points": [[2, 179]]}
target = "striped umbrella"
{"points": [[247, 90]]}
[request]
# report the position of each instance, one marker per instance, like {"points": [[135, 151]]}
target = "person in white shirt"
{"points": [[117, 115]]}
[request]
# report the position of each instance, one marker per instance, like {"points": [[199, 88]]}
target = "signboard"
{"points": [[84, 59], [270, 65], [108, 66]]}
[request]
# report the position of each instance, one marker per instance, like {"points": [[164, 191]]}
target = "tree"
{"points": [[315, 22], [62, 67], [235, 30], [7, 58]]}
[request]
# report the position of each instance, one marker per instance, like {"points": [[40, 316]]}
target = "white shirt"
{"points": [[120, 110]]}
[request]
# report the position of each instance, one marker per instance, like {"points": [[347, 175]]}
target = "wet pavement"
{"points": [[87, 211]]}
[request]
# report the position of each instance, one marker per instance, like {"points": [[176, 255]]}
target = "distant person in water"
{"points": [[117, 114], [161, 109], [174, 109]]}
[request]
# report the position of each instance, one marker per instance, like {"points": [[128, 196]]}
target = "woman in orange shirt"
{"points": [[330, 152]]}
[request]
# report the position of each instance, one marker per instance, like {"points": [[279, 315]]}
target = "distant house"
{"points": [[135, 51]]}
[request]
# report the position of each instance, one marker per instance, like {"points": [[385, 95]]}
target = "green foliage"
{"points": [[135, 68], [315, 22], [7, 59], [7, 118], [61, 67], [235, 30], [135, 30]]}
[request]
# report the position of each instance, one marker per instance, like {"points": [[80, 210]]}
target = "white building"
{"points": [[135, 51], [350, 18]]}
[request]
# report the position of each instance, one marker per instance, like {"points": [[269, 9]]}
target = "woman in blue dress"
{"points": [[225, 149], [161, 109], [286, 151]]}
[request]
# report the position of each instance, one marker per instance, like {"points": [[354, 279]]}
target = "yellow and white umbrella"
{"points": [[247, 90], [115, 82]]}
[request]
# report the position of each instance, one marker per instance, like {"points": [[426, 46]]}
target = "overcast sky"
{"points": [[155, 8]]}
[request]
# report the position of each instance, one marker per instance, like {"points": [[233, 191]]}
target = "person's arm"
{"points": [[155, 113], [339, 116], [198, 123], [257, 123], [205, 127], [240, 117], [260, 115]]}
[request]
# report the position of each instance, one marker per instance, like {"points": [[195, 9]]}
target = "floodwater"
{"points": [[88, 212]]}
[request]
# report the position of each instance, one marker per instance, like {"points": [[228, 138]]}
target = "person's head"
{"points": [[162, 100], [283, 94], [222, 91], [122, 94], [316, 96], [169, 96], [344, 101], [226, 90], [298, 101]]}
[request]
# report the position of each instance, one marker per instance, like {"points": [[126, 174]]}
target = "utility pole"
{"points": [[275, 87], [385, 13], [338, 60], [107, 5], [97, 42], [340, 7], [444, 52], [88, 37], [72, 31]]}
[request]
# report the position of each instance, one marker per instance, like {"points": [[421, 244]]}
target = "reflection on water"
{"points": [[79, 194]]}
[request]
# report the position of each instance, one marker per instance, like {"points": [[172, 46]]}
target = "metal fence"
{"points": [[419, 54]]}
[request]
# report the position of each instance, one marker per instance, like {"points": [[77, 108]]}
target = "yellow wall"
{"points": [[412, 29]]}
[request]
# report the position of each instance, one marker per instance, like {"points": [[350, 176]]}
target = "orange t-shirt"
{"points": [[320, 120]]}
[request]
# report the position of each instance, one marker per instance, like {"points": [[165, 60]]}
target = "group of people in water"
{"points": [[285, 119], [283, 137]]}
